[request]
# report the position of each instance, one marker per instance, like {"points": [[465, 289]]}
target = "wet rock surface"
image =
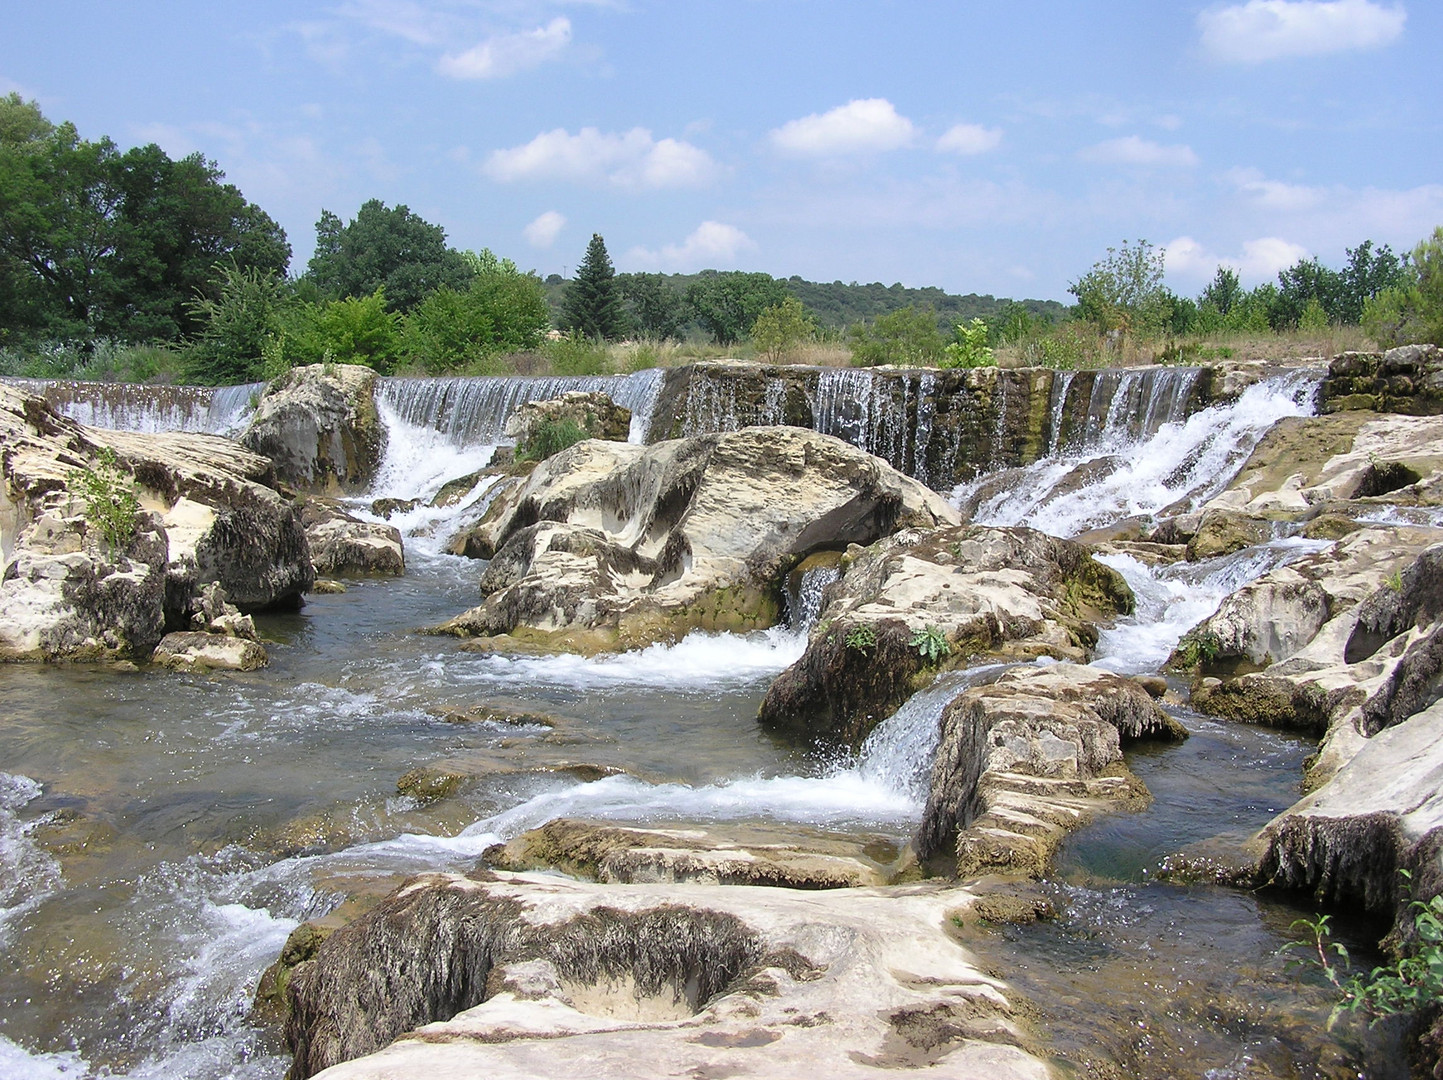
{"points": [[342, 544], [610, 545], [524, 975], [972, 593]]}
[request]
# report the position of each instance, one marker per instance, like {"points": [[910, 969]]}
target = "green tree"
{"points": [[1124, 291], [1223, 292], [387, 248], [503, 310], [907, 336], [969, 347], [236, 323], [592, 304], [781, 328], [1367, 274], [1412, 311], [726, 304], [1300, 284], [658, 311]]}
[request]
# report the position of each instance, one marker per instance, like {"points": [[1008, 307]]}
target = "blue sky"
{"points": [[988, 147]]}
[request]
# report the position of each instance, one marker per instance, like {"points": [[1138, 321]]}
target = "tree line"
{"points": [[100, 248]]}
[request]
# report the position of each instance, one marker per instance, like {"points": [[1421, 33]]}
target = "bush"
{"points": [[970, 349], [111, 504], [1411, 312], [907, 336], [781, 328], [550, 437], [577, 355]]}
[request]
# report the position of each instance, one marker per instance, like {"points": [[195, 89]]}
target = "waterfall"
{"points": [[804, 595], [221, 410], [474, 409]]}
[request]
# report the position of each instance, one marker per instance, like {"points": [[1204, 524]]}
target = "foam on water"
{"points": [[1172, 599], [28, 875], [700, 661], [17, 1063], [1179, 468]]}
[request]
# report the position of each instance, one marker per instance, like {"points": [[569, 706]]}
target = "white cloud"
{"points": [[1263, 30], [404, 19], [712, 245], [632, 159], [1275, 194], [1133, 150], [506, 54], [863, 126], [969, 139], [542, 232], [1260, 259]]}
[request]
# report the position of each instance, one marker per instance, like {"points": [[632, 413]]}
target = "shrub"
{"points": [[907, 336], [550, 437], [111, 504], [577, 355], [970, 349], [781, 328]]}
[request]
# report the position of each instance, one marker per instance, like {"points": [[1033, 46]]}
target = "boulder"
{"points": [[191, 651], [320, 426], [982, 593], [203, 511], [1026, 760], [613, 546], [592, 412], [519, 976], [614, 854], [342, 544], [1408, 379], [1222, 532]]}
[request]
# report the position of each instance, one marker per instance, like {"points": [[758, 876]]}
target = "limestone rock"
{"points": [[320, 426], [1408, 379], [1024, 761], [611, 545], [206, 514], [191, 651], [528, 975], [994, 593], [1221, 532], [593, 412], [620, 855], [343, 544]]}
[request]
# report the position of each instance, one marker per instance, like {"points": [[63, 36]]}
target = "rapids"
{"points": [[161, 834]]}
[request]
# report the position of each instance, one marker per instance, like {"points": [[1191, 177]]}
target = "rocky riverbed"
{"points": [[801, 732]]}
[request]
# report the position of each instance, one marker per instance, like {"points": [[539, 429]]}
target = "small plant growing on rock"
{"points": [[862, 638], [1407, 985], [1394, 581], [550, 437], [111, 504], [1197, 648], [932, 643]]}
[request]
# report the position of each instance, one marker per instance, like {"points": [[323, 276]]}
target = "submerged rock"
{"points": [[320, 426], [204, 512], [919, 602], [529, 975], [1026, 760], [614, 546]]}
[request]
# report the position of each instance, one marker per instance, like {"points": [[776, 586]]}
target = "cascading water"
{"points": [[222, 410]]}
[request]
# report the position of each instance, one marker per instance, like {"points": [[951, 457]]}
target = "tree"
{"points": [[1124, 291], [726, 305], [1223, 292], [781, 328], [503, 310], [1412, 311], [907, 336], [592, 304], [658, 311], [1367, 274], [235, 326], [1300, 284], [387, 248]]}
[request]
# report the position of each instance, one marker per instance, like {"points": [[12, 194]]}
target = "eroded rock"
{"points": [[191, 651], [343, 544], [611, 545], [988, 593], [592, 412], [320, 426]]}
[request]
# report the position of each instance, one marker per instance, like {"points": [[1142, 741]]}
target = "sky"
{"points": [[995, 147]]}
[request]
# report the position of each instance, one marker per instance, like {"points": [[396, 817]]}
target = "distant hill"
{"points": [[838, 305]]}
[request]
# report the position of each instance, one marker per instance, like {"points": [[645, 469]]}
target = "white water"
{"points": [[27, 874], [1177, 469]]}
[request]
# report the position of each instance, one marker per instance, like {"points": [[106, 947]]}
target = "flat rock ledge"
{"points": [[613, 546], [620, 855], [1003, 594], [1025, 761], [529, 975]]}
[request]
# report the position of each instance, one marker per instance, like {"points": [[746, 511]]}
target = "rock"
{"points": [[327, 587], [1003, 594], [427, 785], [1221, 532], [1026, 760], [206, 513], [527, 975], [592, 412], [651, 856], [275, 981], [1408, 379], [190, 651], [343, 544], [320, 426], [384, 508], [453, 491], [614, 546]]}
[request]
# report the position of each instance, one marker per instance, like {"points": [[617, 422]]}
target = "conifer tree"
{"points": [[592, 305]]}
